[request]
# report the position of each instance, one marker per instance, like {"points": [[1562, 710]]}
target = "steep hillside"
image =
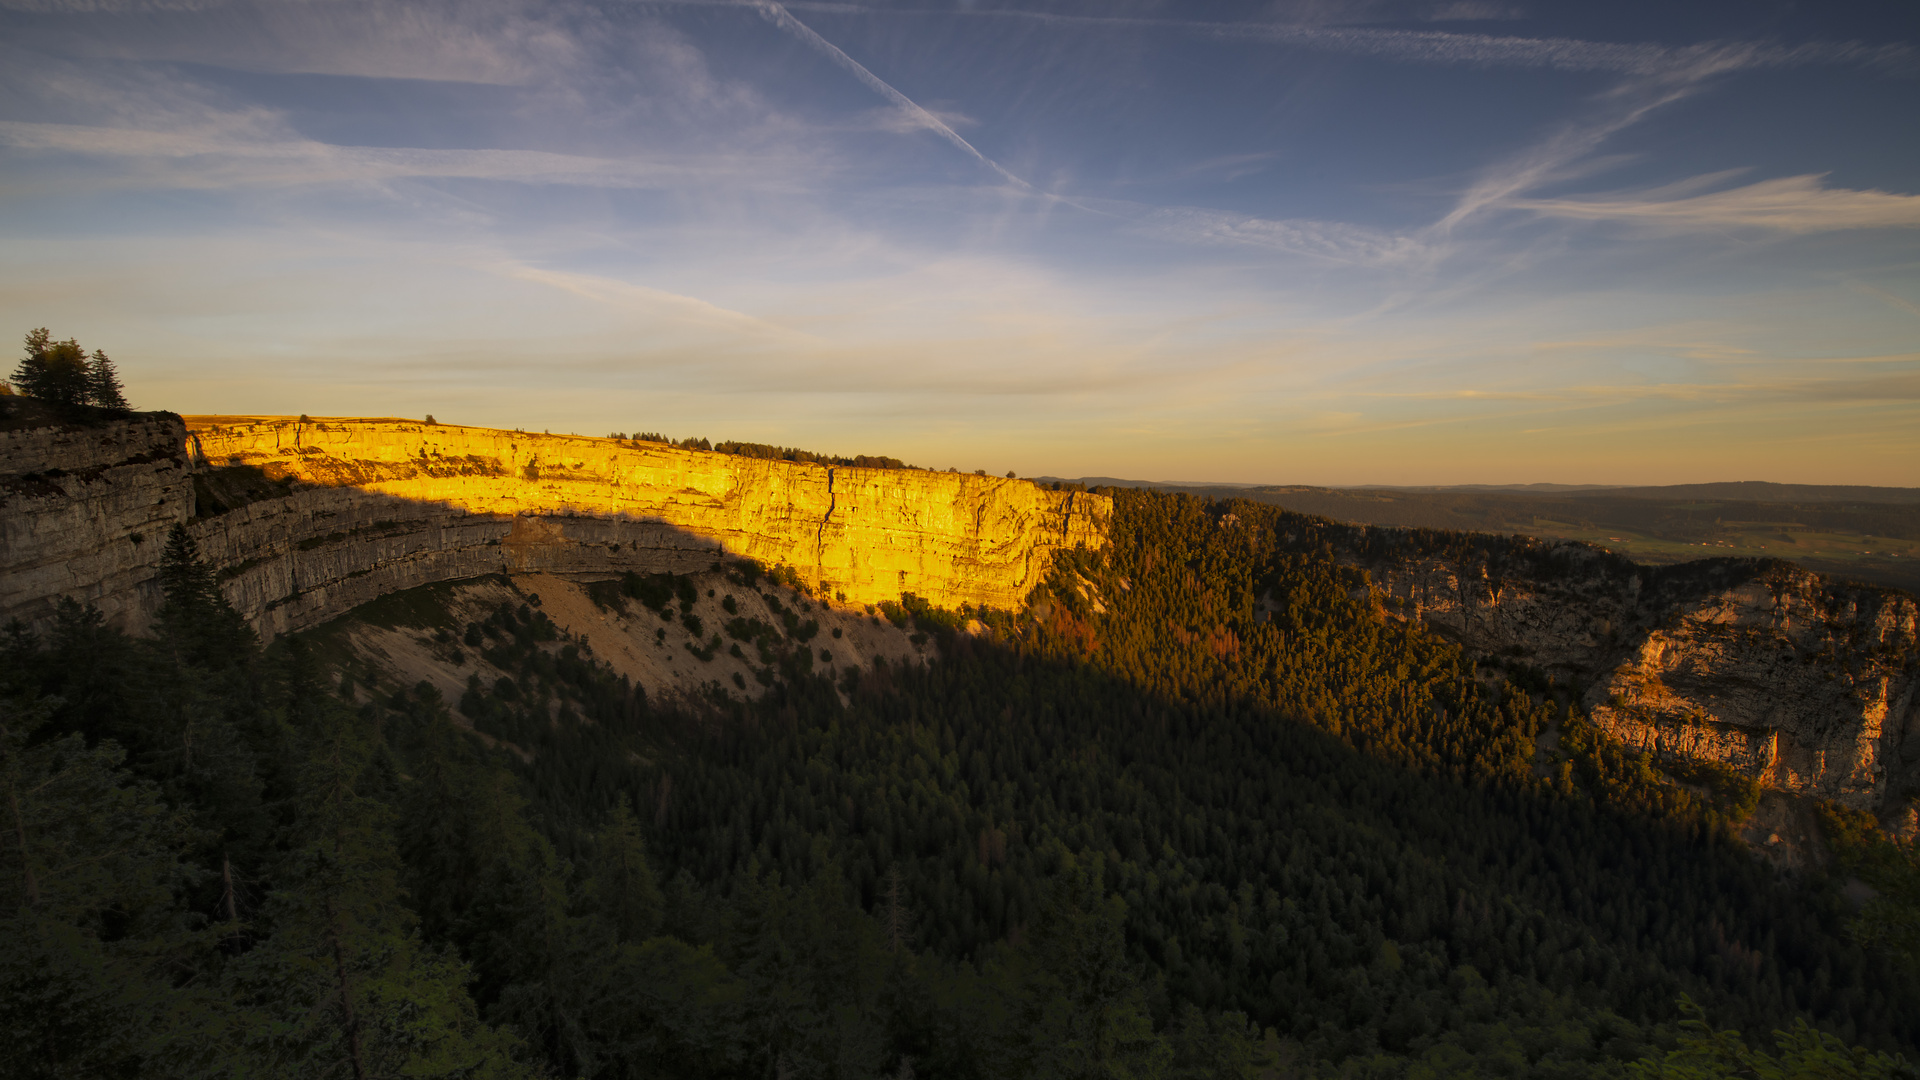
{"points": [[714, 635]]}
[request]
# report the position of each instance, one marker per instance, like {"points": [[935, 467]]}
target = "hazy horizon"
{"points": [[1331, 243]]}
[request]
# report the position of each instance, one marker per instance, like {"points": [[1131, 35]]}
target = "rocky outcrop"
{"points": [[84, 512], [305, 520], [1798, 680]]}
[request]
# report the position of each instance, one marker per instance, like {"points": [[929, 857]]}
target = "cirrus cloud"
{"points": [[1794, 204]]}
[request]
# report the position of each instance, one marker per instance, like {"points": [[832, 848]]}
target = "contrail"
{"points": [[784, 19], [1417, 46], [1431, 46]]}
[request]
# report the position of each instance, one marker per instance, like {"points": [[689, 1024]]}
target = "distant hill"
{"points": [[1762, 491], [1869, 534], [1550, 489], [1758, 491]]}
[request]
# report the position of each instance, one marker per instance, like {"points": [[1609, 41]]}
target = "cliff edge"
{"points": [[304, 520]]}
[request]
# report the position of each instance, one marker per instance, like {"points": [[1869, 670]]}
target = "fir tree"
{"points": [[185, 581], [899, 918], [91, 937], [343, 985], [623, 883], [1707, 1054], [1082, 1010], [103, 384], [194, 618], [55, 371]]}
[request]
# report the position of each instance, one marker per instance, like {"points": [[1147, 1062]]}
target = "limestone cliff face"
{"points": [[306, 520], [84, 512], [1806, 683]]}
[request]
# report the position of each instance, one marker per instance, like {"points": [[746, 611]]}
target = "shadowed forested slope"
{"points": [[1199, 811]]}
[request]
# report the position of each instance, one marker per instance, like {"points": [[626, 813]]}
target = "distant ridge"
{"points": [[1752, 491], [1763, 491], [1851, 531], [1114, 481], [1524, 489]]}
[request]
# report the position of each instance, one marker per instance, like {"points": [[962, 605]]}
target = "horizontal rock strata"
{"points": [[84, 513], [304, 520]]}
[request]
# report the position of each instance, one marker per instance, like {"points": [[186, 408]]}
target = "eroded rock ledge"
{"points": [[1802, 681], [305, 520]]}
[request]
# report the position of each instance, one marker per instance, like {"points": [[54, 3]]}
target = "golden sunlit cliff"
{"points": [[306, 519]]}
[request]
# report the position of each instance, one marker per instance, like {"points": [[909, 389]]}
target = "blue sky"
{"points": [[1330, 242]]}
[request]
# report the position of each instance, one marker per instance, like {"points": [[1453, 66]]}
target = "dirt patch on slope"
{"points": [[421, 642], [1785, 830]]}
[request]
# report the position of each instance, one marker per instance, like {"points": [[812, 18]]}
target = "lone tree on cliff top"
{"points": [[61, 372]]}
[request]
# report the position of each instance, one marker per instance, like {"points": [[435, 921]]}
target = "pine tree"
{"points": [[91, 937], [1082, 1011], [55, 371], [103, 384], [185, 581], [899, 918], [486, 883], [623, 883], [194, 619], [1707, 1054], [343, 985]]}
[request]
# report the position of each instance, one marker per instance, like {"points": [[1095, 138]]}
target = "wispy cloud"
{"points": [[1475, 11], [1560, 54], [784, 19], [1795, 204], [626, 295], [1886, 297], [1430, 46], [1656, 75], [501, 42], [1677, 75], [97, 7], [1330, 240], [214, 156], [1889, 387], [897, 121]]}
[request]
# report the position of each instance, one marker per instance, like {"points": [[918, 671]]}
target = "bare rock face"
{"points": [[1803, 682], [305, 520], [84, 513]]}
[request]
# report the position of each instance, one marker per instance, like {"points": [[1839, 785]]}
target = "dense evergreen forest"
{"points": [[1202, 810]]}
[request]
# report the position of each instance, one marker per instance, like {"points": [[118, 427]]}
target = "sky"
{"points": [[1321, 242]]}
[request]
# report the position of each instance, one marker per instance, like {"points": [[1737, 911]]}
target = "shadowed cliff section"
{"points": [[84, 512], [1804, 682], [304, 520]]}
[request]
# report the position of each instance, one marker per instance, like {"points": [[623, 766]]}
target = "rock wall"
{"points": [[305, 520], [1806, 683], [84, 512]]}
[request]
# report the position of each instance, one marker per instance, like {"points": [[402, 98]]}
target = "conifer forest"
{"points": [[1202, 809]]}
